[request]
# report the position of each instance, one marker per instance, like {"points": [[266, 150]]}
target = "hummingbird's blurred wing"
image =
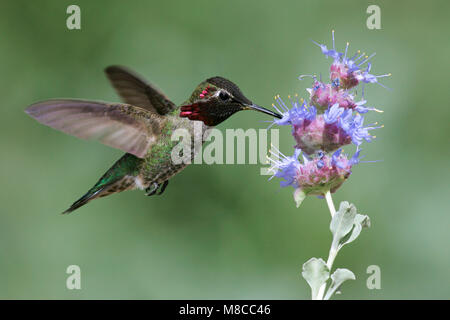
{"points": [[138, 92], [122, 126]]}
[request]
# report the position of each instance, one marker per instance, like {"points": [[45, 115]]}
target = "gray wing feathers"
{"points": [[136, 91], [121, 126]]}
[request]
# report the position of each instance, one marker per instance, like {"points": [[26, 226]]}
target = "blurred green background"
{"points": [[220, 231]]}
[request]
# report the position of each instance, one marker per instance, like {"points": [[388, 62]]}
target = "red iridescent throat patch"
{"points": [[198, 110]]}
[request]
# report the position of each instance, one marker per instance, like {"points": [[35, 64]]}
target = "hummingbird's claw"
{"points": [[164, 186], [153, 188]]}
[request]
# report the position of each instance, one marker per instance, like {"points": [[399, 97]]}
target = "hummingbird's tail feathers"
{"points": [[102, 190], [120, 177], [83, 200]]}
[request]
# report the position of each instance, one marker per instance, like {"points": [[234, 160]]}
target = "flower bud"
{"points": [[324, 95], [343, 76], [315, 135]]}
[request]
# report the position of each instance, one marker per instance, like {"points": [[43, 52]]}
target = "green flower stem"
{"points": [[346, 225], [333, 250], [330, 203]]}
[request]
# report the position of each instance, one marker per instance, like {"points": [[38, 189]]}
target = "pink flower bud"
{"points": [[324, 95], [342, 76], [318, 135]]}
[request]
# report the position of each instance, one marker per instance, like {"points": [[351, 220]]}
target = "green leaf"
{"points": [[346, 225], [337, 279], [343, 220], [363, 220], [316, 273], [299, 196], [360, 222]]}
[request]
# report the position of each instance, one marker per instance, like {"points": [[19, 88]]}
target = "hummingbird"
{"points": [[141, 127]]}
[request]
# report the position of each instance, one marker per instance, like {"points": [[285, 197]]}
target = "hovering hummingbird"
{"points": [[141, 127]]}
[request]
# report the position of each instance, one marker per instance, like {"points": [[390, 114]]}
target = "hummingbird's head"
{"points": [[215, 100]]}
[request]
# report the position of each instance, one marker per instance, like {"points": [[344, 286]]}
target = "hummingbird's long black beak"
{"points": [[263, 110]]}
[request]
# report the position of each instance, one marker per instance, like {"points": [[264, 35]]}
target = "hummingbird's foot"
{"points": [[153, 188], [164, 186]]}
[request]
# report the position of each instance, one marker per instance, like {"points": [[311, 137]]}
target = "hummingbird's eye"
{"points": [[224, 96]]}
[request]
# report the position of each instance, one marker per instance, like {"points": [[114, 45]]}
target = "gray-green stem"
{"points": [[333, 250]]}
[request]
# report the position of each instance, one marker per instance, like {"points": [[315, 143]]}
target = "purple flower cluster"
{"points": [[313, 175], [331, 119], [346, 72]]}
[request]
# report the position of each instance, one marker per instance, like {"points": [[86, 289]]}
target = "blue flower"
{"points": [[353, 126], [313, 176], [285, 167], [299, 112], [355, 158], [335, 159], [366, 77], [329, 52], [333, 113], [339, 160], [346, 72], [336, 127], [332, 120]]}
